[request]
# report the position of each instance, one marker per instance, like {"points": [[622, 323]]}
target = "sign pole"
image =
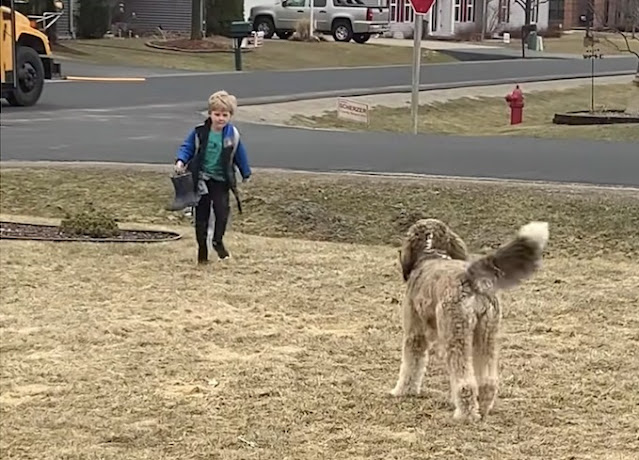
{"points": [[417, 54], [312, 19]]}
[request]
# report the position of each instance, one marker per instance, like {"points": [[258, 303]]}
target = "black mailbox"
{"points": [[241, 29]]}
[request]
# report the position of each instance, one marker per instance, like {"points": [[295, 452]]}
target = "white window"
{"points": [[393, 10], [464, 10], [504, 11], [409, 14], [534, 11]]}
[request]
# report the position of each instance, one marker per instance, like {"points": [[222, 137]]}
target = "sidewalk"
{"points": [[465, 50]]}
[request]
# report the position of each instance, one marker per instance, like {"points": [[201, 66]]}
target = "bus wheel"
{"points": [[30, 78]]}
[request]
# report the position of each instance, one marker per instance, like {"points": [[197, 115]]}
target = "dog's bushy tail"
{"points": [[513, 262]]}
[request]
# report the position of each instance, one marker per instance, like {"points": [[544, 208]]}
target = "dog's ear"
{"points": [[407, 258], [456, 247]]}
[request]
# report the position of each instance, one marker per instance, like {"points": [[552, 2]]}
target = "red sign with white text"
{"points": [[422, 6]]}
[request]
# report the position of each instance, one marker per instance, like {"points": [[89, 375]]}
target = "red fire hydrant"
{"points": [[516, 103]]}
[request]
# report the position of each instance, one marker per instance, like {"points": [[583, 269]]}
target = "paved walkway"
{"points": [[281, 113]]}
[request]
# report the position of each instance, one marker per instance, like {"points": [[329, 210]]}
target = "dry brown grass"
{"points": [[483, 116], [609, 44], [274, 55], [342, 208], [288, 351]]}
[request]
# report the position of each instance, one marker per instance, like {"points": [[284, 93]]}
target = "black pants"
{"points": [[219, 196]]}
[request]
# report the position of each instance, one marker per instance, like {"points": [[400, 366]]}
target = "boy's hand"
{"points": [[179, 167]]}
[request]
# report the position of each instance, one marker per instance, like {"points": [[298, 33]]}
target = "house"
{"points": [[606, 13], [448, 18], [141, 16]]}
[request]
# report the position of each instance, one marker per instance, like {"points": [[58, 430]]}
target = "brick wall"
{"points": [[575, 8]]}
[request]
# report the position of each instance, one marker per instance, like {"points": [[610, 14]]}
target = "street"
{"points": [[146, 122]]}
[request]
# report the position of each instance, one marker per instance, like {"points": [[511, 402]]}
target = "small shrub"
{"points": [[93, 18], [221, 13], [92, 223]]}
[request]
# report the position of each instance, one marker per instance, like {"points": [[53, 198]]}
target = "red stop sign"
{"points": [[422, 6]]}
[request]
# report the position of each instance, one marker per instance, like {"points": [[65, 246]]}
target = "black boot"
{"points": [[184, 192], [202, 255], [221, 251]]}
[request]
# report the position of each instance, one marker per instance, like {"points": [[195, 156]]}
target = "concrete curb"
{"points": [[425, 87], [168, 168]]}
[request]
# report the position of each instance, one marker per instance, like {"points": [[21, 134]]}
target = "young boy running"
{"points": [[211, 152]]}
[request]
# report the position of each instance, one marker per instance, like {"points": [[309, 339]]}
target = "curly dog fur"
{"points": [[451, 301]]}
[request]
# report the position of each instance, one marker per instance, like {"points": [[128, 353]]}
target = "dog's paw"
{"points": [[469, 417], [396, 392]]}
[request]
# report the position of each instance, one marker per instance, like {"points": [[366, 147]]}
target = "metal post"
{"points": [[417, 54], [14, 44], [238, 54], [592, 85]]}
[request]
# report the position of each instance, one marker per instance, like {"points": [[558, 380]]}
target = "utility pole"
{"points": [[196, 19]]}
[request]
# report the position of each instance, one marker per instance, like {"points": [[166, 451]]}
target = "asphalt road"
{"points": [[249, 86], [145, 122], [143, 135]]}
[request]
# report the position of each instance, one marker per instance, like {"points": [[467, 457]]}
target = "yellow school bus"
{"points": [[25, 57]]}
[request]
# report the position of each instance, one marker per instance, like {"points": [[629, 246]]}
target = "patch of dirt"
{"points": [[14, 230], [210, 44]]}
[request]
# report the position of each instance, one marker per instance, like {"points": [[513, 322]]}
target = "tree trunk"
{"points": [[196, 19]]}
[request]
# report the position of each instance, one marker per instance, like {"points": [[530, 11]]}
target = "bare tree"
{"points": [[624, 22], [491, 17], [196, 19]]}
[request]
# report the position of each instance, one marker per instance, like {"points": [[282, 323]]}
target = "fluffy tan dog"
{"points": [[451, 301]]}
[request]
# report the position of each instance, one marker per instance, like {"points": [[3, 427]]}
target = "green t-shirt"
{"points": [[213, 156]]}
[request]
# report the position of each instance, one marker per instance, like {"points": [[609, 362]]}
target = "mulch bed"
{"points": [[207, 45], [21, 231], [601, 117]]}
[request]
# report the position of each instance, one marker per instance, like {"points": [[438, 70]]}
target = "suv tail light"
{"points": [[369, 14]]}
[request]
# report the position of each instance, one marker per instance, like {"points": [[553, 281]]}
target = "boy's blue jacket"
{"points": [[188, 149], [192, 151]]}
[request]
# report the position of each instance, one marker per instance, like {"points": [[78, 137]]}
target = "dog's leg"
{"points": [[457, 336], [414, 360], [486, 359]]}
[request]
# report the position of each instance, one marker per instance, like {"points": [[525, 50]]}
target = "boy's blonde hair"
{"points": [[223, 102]]}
